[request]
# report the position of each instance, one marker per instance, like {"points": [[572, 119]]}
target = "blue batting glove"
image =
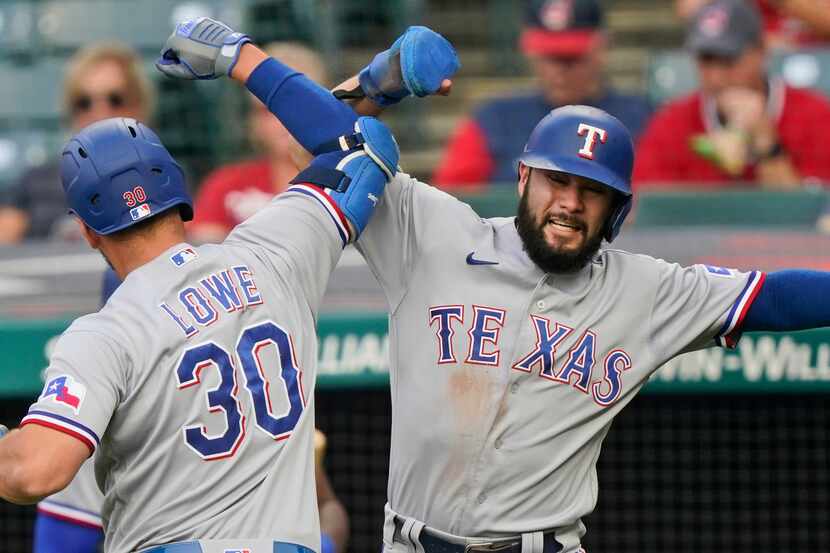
{"points": [[201, 48], [416, 64]]}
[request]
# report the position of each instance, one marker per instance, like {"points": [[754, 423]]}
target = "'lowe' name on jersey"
{"points": [[231, 289], [195, 384]]}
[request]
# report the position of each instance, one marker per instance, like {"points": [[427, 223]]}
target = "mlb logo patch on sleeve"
{"points": [[183, 256], [720, 271], [66, 390]]}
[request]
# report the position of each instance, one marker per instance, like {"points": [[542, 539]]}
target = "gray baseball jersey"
{"points": [[505, 379], [79, 502], [195, 383]]}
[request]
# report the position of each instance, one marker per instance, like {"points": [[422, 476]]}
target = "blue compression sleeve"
{"points": [[311, 113], [791, 300], [53, 535]]}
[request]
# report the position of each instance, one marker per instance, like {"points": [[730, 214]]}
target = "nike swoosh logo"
{"points": [[473, 261]]}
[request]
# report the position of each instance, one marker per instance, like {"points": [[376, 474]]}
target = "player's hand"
{"points": [[201, 48], [419, 63]]}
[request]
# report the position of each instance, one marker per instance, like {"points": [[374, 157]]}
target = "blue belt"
{"points": [[194, 547]]}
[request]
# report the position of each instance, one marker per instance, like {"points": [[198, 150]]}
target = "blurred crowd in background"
{"points": [[718, 93]]}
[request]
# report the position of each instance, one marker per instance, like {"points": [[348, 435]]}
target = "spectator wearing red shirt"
{"points": [[234, 192], [566, 46], [787, 23], [741, 125]]}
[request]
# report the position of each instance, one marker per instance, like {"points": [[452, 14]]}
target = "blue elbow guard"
{"points": [[357, 182], [415, 64]]}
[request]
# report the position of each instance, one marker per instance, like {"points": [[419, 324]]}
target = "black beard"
{"points": [[545, 257]]}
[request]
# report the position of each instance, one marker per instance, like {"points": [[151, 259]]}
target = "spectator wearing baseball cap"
{"points": [[741, 125], [787, 23], [565, 43]]}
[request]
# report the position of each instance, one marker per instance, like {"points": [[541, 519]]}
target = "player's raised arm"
{"points": [[327, 206], [419, 63]]}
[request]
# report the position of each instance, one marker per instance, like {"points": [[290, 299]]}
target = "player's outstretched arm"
{"points": [[418, 64], [790, 300], [208, 49], [36, 462]]}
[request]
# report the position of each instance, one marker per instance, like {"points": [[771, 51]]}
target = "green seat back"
{"points": [[732, 207]]}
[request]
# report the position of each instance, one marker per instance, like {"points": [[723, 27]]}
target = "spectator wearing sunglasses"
{"points": [[101, 81]]}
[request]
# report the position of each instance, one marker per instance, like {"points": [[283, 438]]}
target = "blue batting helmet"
{"points": [[588, 142], [117, 173]]}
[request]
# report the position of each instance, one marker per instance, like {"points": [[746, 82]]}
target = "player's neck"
{"points": [[129, 255]]}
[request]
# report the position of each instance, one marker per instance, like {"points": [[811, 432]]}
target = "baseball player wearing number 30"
{"points": [[516, 341], [195, 383]]}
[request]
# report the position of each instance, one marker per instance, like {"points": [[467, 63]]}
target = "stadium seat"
{"points": [[20, 150], [669, 74], [30, 91], [69, 24], [809, 68], [17, 27], [799, 209]]}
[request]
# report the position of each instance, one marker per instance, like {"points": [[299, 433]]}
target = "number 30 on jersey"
{"points": [[225, 397]]}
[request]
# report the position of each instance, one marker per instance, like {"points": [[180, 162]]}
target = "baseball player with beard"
{"points": [[194, 385], [516, 341]]}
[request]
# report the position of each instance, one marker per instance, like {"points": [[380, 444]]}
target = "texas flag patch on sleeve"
{"points": [[66, 390]]}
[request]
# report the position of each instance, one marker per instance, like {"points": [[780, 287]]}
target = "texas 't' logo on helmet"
{"points": [[591, 134]]}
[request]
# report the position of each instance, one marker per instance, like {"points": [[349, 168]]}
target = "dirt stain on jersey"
{"points": [[469, 401], [470, 396]]}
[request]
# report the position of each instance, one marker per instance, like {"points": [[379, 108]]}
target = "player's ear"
{"points": [[524, 177]]}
